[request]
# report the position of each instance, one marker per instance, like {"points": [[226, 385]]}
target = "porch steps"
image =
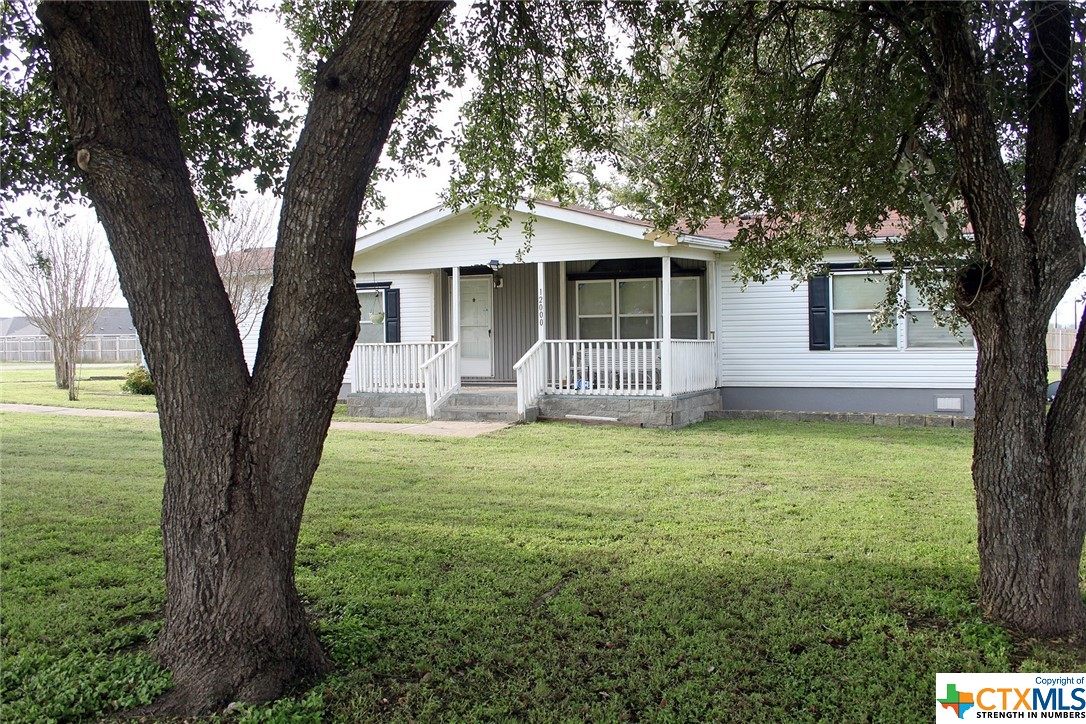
{"points": [[483, 405]]}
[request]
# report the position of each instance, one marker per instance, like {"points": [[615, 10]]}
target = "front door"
{"points": [[476, 320]]}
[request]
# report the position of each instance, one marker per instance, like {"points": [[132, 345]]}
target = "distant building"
{"points": [[113, 339]]}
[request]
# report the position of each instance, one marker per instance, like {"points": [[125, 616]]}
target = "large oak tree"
{"points": [[240, 449]]}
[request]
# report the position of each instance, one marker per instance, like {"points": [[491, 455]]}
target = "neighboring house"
{"points": [[599, 315], [113, 339], [246, 274]]}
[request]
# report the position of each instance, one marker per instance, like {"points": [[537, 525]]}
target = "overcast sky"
{"points": [[406, 197]]}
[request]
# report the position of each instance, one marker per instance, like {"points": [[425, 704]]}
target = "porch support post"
{"points": [[562, 301], [454, 322], [541, 300], [454, 313], [665, 314], [712, 318]]}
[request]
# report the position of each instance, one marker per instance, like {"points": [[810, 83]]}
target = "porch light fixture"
{"points": [[495, 265]]}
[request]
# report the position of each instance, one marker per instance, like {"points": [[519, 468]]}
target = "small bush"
{"points": [[138, 382]]}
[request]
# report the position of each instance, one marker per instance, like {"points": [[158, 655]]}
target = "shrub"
{"points": [[139, 382]]}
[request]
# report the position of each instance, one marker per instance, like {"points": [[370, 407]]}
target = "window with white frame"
{"points": [[685, 307], [630, 308], [372, 304], [596, 309], [921, 330], [637, 309], [854, 298]]}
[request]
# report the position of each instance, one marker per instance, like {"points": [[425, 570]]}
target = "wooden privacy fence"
{"points": [[1061, 340], [95, 348]]}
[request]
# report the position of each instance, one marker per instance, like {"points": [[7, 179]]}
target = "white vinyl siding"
{"points": [[764, 342], [250, 332]]}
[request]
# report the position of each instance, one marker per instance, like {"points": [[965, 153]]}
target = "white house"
{"points": [[600, 315]]}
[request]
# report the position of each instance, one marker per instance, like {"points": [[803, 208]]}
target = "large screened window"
{"points": [[854, 298], [630, 308], [371, 302], [637, 309], [685, 307], [596, 309]]}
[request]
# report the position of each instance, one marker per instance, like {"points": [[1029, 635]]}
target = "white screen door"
{"points": [[476, 294]]}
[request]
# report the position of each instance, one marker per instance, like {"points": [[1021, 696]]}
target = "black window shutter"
{"points": [[392, 315], [818, 311]]}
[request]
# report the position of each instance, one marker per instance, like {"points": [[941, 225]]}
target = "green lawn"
{"points": [[99, 389], [734, 571], [36, 385]]}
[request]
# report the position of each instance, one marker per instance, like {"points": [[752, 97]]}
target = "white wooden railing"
{"points": [[604, 367], [531, 371], [393, 367], [693, 365], [441, 376], [614, 367]]}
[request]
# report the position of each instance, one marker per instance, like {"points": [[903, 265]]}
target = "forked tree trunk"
{"points": [[1029, 468], [239, 451]]}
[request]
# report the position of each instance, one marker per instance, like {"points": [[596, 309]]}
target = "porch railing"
{"points": [[531, 371], [393, 367], [441, 374], [613, 367], [604, 367], [693, 365]]}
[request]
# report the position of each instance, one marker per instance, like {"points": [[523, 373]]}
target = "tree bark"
{"points": [[60, 365], [1029, 467], [239, 451]]}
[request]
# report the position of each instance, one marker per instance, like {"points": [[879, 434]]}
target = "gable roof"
{"points": [[716, 234], [111, 320], [578, 215]]}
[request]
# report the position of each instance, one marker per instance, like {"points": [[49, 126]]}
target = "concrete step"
{"points": [[483, 399], [477, 414]]}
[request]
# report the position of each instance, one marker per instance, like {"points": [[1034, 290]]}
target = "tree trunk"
{"points": [[1029, 468], [71, 359], [60, 367], [239, 451]]}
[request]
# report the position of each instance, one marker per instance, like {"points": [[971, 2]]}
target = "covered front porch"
{"points": [[622, 315]]}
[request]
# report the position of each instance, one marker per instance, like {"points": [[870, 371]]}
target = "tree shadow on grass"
{"points": [[479, 628]]}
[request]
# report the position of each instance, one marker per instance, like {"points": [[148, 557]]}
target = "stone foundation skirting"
{"points": [[396, 405], [657, 412], [862, 418]]}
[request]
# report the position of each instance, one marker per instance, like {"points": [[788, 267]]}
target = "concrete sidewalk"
{"points": [[436, 428]]}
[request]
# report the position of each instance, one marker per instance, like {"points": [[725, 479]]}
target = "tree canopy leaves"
{"points": [[816, 120], [231, 122]]}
